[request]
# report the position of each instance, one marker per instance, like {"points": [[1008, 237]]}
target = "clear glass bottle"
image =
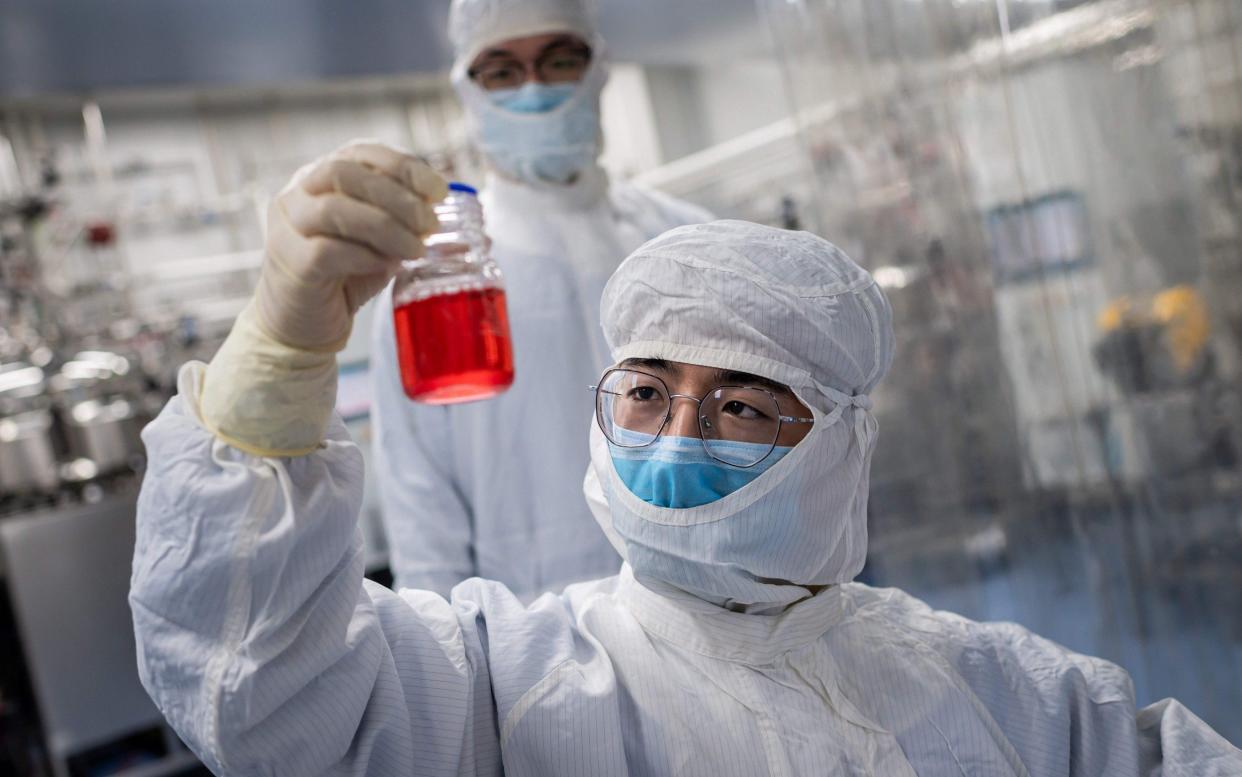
{"points": [[452, 325]]}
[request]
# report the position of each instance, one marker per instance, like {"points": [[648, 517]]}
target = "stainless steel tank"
{"points": [[97, 400], [28, 461]]}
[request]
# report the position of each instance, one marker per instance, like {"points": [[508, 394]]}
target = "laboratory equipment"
{"points": [[66, 571], [27, 448], [101, 410]]}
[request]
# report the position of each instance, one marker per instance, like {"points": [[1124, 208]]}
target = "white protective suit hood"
{"points": [[788, 306], [520, 145]]}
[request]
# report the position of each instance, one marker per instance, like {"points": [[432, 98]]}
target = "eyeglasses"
{"points": [[738, 425], [558, 65]]}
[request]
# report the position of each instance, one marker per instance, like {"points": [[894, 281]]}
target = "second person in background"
{"points": [[479, 489]]}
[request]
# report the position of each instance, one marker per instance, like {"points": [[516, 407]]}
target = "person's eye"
{"points": [[566, 63], [643, 394], [741, 410], [572, 57], [500, 75]]}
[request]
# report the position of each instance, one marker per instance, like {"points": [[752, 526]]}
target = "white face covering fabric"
{"points": [[543, 147], [788, 306], [477, 24]]}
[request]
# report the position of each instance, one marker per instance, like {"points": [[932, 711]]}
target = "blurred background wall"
{"points": [[1049, 190]]}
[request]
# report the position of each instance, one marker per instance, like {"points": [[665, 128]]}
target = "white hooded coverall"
{"points": [[479, 489], [268, 652]]}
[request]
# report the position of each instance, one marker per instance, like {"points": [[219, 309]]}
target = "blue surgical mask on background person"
{"points": [[544, 132], [677, 472], [533, 97]]}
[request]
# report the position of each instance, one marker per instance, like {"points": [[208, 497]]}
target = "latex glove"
{"points": [[336, 235]]}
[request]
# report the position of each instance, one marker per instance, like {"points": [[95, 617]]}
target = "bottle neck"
{"points": [[460, 230]]}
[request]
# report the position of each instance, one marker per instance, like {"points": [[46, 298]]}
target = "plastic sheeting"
{"points": [[1052, 194]]}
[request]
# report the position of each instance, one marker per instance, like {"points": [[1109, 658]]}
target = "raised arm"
{"points": [[257, 637], [256, 634]]}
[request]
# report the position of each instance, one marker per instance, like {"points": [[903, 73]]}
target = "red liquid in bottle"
{"points": [[454, 347]]}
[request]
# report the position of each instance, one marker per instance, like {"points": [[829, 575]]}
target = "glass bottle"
{"points": [[452, 327]]}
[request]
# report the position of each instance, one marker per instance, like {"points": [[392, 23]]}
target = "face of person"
{"points": [[555, 58], [696, 381]]}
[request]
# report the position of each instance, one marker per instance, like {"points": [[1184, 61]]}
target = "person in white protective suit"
{"points": [[477, 489], [732, 643]]}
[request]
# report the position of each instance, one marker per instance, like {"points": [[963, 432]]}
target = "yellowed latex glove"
{"points": [[336, 235]]}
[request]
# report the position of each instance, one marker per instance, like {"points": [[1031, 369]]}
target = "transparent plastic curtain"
{"points": [[1049, 190]]}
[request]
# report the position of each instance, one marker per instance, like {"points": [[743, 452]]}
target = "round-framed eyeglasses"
{"points": [[738, 425], [561, 64]]}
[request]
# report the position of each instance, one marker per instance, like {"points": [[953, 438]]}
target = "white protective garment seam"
{"points": [[773, 753], [873, 317], [948, 745], [530, 698], [239, 585], [236, 615]]}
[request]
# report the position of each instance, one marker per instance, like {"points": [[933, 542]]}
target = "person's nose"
{"points": [[533, 74], [684, 420]]}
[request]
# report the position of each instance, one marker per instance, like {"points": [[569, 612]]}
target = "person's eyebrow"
{"points": [[495, 54], [663, 365], [565, 41], [736, 378]]}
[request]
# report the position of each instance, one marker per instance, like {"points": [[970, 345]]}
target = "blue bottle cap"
{"points": [[457, 186]]}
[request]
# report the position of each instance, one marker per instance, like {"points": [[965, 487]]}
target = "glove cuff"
{"points": [[264, 397]]}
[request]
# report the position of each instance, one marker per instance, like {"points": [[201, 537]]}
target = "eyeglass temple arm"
{"points": [[792, 420]]}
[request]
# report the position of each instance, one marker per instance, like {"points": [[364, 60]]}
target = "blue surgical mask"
{"points": [[533, 97], [677, 472]]}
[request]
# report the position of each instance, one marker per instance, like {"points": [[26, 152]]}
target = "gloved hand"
{"points": [[336, 235]]}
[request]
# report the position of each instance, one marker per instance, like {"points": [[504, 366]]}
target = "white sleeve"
{"points": [[427, 519], [257, 637], [1063, 712], [659, 211], [1174, 742]]}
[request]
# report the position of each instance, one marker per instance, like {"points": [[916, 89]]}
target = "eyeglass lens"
{"points": [[558, 65], [739, 425]]}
